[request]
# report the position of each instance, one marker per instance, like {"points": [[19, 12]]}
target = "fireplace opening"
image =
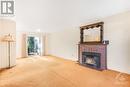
{"points": [[91, 59]]}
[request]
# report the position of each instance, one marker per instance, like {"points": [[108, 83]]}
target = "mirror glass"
{"points": [[92, 34]]}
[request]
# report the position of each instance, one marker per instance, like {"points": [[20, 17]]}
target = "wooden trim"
{"points": [[93, 43], [92, 25], [81, 36]]}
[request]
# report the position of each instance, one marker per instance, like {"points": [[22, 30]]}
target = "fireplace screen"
{"points": [[91, 59]]}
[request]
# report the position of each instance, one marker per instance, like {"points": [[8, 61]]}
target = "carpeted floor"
{"points": [[55, 72]]}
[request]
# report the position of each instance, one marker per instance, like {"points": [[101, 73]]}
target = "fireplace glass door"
{"points": [[91, 59]]}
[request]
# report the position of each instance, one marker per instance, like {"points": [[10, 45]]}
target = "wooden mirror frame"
{"points": [[95, 25]]}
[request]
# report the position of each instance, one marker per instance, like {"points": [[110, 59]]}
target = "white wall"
{"points": [[20, 45], [64, 43], [7, 26], [117, 30]]}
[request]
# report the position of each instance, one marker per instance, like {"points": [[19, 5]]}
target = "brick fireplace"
{"points": [[93, 55]]}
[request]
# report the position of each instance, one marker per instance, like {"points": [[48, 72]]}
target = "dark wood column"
{"points": [[81, 35]]}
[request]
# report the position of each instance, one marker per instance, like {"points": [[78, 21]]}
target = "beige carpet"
{"points": [[55, 72]]}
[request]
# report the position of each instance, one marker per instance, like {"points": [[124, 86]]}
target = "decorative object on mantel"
{"points": [[9, 38], [92, 48]]}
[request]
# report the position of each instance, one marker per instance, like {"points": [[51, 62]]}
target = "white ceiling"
{"points": [[53, 15]]}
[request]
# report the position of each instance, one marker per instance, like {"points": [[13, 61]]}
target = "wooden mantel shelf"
{"points": [[93, 43]]}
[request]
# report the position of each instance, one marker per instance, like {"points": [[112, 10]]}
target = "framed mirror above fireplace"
{"points": [[92, 33]]}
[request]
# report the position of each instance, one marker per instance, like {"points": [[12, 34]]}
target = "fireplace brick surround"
{"points": [[94, 48]]}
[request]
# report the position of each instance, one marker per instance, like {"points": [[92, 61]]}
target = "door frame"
{"points": [[41, 37]]}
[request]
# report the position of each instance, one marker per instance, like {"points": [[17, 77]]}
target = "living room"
{"points": [[57, 30]]}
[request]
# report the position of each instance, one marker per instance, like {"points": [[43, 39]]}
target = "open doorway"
{"points": [[33, 46]]}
